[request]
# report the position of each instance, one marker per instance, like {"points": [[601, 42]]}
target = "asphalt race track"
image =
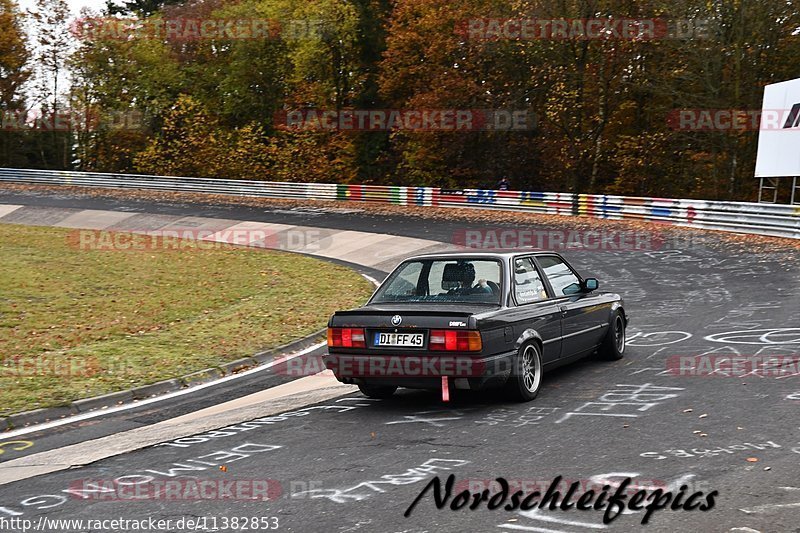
{"points": [[349, 464]]}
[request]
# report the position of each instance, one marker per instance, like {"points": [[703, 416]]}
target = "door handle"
{"points": [[563, 310]]}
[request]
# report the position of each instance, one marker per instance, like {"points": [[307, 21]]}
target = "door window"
{"points": [[528, 286], [561, 277]]}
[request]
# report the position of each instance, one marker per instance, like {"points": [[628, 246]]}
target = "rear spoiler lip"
{"points": [[433, 309], [404, 313]]}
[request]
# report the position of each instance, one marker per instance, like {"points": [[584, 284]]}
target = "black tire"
{"points": [[613, 346], [526, 374], [377, 391]]}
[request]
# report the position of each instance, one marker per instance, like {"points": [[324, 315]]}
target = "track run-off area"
{"points": [[269, 450]]}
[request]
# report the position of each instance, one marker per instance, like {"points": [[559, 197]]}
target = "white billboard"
{"points": [[779, 133]]}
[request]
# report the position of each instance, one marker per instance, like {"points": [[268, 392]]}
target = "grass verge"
{"points": [[77, 323]]}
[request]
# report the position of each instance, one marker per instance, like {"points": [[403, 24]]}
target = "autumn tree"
{"points": [[732, 50], [431, 63], [193, 143], [14, 56], [599, 106], [52, 41]]}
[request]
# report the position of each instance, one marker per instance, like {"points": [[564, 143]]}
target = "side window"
{"points": [[406, 282], [435, 277], [528, 286], [562, 279]]}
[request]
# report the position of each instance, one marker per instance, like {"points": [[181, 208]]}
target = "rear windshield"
{"points": [[459, 280]]}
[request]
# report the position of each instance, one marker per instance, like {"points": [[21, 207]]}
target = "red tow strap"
{"points": [[445, 390]]}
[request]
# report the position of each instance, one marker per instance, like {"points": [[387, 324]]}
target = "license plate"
{"points": [[412, 340]]}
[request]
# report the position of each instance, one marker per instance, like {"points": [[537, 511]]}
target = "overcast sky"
{"points": [[76, 5]]}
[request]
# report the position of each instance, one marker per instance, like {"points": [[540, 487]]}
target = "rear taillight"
{"points": [[346, 338], [454, 340]]}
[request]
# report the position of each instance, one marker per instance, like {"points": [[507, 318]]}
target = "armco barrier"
{"points": [[740, 217]]}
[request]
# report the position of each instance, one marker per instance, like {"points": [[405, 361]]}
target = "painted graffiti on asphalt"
{"points": [[768, 336], [205, 462], [516, 418], [716, 451], [258, 423], [501, 417], [365, 489], [15, 446], [626, 401], [657, 338]]}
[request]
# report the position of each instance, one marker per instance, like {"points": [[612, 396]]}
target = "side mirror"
{"points": [[590, 284]]}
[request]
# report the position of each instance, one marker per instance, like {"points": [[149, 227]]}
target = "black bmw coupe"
{"points": [[474, 320]]}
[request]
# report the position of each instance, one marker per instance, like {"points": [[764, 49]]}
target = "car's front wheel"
{"points": [[377, 391], [613, 346], [526, 374]]}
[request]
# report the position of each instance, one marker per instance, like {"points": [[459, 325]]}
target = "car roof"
{"points": [[500, 253]]}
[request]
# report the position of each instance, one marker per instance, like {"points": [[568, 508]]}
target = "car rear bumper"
{"points": [[423, 371]]}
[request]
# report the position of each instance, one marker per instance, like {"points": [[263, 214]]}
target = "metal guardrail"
{"points": [[739, 217]]}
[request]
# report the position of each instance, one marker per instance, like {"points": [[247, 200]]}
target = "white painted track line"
{"points": [[168, 396], [286, 397]]}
